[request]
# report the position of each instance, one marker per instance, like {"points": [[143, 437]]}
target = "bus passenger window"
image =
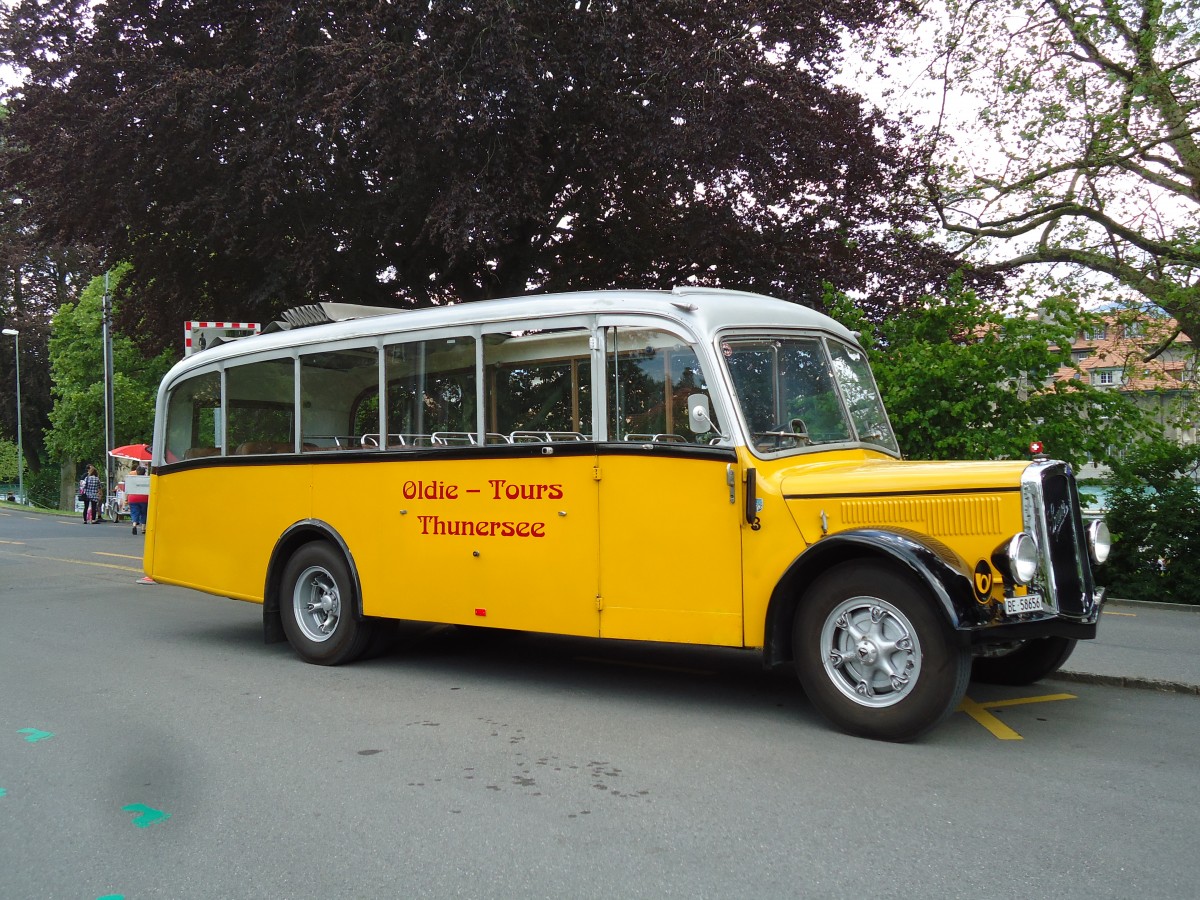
{"points": [[539, 385], [337, 388], [650, 374], [194, 418], [261, 397], [430, 391]]}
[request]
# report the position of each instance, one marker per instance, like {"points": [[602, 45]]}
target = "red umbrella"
{"points": [[137, 452]]}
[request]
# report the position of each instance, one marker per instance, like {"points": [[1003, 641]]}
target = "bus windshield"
{"points": [[798, 392]]}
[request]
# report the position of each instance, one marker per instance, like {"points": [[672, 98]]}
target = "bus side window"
{"points": [[337, 388], [430, 389], [650, 374], [539, 385], [261, 412], [194, 418]]}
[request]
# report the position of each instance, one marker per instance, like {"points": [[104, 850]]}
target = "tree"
{"points": [[77, 366], [35, 279], [32, 287], [8, 461], [1086, 124], [244, 156], [969, 379], [1154, 515]]}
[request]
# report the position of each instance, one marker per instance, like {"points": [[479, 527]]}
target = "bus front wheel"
{"points": [[875, 655], [1023, 663], [318, 609]]}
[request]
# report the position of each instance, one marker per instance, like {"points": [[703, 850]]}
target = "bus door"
{"points": [[497, 509], [670, 537]]}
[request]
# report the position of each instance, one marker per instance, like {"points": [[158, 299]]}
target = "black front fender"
{"points": [[942, 572]]}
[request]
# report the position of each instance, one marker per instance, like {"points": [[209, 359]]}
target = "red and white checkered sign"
{"points": [[198, 336]]}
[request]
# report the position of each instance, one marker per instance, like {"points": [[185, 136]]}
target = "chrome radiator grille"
{"points": [[1051, 510]]}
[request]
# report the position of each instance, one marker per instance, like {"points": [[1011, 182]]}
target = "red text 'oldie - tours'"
{"points": [[498, 489]]}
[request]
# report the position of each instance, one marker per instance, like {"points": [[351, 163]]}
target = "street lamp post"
{"points": [[16, 336], [110, 430]]}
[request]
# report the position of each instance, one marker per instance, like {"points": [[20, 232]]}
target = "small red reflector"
{"points": [[481, 612]]}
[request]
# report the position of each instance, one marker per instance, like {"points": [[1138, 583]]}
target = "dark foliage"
{"points": [[34, 281], [247, 156]]}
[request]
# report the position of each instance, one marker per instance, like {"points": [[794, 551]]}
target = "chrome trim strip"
{"points": [[1033, 511]]}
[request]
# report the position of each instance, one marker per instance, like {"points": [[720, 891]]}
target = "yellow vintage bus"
{"points": [[698, 466]]}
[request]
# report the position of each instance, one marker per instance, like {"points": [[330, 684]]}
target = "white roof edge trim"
{"points": [[713, 310]]}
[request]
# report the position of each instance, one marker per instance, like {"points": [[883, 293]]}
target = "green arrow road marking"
{"points": [[3, 792], [146, 815], [33, 735]]}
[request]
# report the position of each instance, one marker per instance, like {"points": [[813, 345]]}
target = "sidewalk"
{"points": [[1146, 645]]}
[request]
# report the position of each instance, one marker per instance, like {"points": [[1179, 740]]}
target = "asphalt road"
{"points": [[152, 747]]}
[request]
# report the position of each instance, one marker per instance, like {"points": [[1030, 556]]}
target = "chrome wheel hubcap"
{"points": [[870, 651], [317, 603]]}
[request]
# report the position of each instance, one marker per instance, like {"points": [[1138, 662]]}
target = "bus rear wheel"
{"points": [[876, 655], [317, 605]]}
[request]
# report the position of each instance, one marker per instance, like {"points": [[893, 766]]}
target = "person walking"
{"points": [[91, 493], [138, 501]]}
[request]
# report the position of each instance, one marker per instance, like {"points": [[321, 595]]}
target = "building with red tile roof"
{"points": [[1113, 354]]}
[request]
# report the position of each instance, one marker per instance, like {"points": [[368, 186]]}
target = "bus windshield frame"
{"points": [[798, 392]]}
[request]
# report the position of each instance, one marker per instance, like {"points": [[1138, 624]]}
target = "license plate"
{"points": [[1014, 606]]}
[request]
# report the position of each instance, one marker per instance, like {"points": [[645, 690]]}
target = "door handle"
{"points": [[751, 511]]}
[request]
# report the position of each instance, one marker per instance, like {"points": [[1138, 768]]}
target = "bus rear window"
{"points": [[194, 418]]}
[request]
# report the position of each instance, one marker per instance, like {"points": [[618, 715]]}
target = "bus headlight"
{"points": [[1099, 541], [1021, 558]]}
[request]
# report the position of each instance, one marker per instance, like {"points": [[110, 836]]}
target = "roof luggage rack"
{"points": [[324, 313]]}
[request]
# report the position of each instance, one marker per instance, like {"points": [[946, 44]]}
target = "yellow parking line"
{"points": [[1021, 701], [979, 712], [988, 721], [1109, 612], [117, 555], [14, 543]]}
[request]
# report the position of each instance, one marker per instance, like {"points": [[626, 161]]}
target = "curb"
{"points": [[1153, 604], [40, 510], [1147, 684]]}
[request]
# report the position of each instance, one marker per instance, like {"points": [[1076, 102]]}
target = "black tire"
{"points": [[911, 673], [1026, 663], [319, 609]]}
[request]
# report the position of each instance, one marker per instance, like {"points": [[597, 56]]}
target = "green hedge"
{"points": [[1154, 515]]}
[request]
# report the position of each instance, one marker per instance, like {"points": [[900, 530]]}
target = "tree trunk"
{"points": [[68, 485]]}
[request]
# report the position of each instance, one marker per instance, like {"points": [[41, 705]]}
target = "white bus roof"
{"points": [[701, 310]]}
